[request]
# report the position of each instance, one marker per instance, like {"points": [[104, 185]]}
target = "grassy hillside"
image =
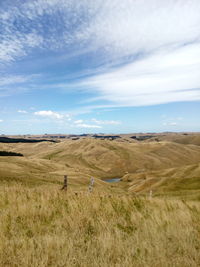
{"points": [[111, 157], [161, 166], [43, 226], [116, 225], [36, 172], [183, 181], [184, 138]]}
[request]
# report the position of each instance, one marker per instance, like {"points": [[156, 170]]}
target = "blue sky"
{"points": [[71, 66]]}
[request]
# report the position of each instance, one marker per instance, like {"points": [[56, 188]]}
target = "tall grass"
{"points": [[46, 227]]}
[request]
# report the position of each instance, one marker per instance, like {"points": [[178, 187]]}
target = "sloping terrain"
{"points": [[184, 138], [157, 165], [180, 138], [179, 181], [34, 172]]}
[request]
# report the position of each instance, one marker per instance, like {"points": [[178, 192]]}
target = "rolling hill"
{"points": [[163, 166]]}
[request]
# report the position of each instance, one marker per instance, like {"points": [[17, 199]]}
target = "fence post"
{"points": [[90, 188], [65, 183], [150, 194]]}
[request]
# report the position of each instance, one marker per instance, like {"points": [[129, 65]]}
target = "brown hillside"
{"points": [[157, 165], [177, 181]]}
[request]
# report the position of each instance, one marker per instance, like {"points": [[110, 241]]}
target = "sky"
{"points": [[85, 66]]}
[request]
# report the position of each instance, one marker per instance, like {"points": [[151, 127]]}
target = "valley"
{"points": [[168, 167]]}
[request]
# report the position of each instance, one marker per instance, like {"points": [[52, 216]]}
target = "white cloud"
{"points": [[170, 123], [159, 39], [12, 84], [83, 125], [162, 77], [49, 114], [173, 123], [14, 79], [1, 120], [117, 27], [61, 117], [15, 46], [22, 111], [78, 121], [106, 122], [128, 27], [98, 123]]}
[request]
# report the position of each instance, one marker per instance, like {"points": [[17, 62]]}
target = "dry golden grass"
{"points": [[182, 181], [44, 226], [192, 138], [104, 159], [41, 225], [165, 167]]}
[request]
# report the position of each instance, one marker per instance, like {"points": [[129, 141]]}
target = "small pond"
{"points": [[113, 180]]}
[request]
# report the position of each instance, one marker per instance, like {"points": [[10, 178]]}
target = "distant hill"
{"points": [[104, 158], [181, 138], [193, 139]]}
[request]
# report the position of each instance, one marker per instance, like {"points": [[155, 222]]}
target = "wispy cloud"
{"points": [[78, 122], [95, 123], [119, 28], [165, 76], [14, 79], [15, 44], [148, 51], [106, 122], [64, 119], [83, 125], [12, 84], [170, 123], [22, 111], [40, 24]]}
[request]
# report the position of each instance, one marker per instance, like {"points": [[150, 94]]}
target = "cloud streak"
{"points": [[83, 125], [106, 122], [66, 119], [162, 77], [149, 51], [119, 28], [12, 84], [22, 111]]}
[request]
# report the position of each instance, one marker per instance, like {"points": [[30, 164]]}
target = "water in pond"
{"points": [[113, 180]]}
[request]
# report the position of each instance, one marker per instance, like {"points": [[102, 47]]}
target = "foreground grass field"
{"points": [[43, 226]]}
